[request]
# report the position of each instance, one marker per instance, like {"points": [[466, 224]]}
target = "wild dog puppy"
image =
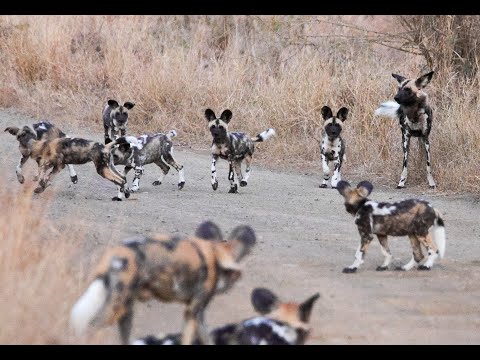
{"points": [[190, 270], [415, 116], [43, 130], [233, 147], [280, 323], [148, 149], [55, 154], [413, 218], [333, 146], [115, 119]]}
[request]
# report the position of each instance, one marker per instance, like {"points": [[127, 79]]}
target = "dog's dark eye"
{"points": [[408, 90]]}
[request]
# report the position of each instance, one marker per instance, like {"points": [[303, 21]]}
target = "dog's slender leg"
{"points": [[125, 327], [181, 176], [431, 182], [326, 172], [165, 169], [406, 147], [45, 179], [214, 172], [190, 327], [248, 169], [432, 251], [108, 139], [383, 239], [123, 131], [73, 175], [231, 177], [337, 164], [360, 253], [417, 254], [203, 333], [136, 179], [237, 165], [18, 170]]}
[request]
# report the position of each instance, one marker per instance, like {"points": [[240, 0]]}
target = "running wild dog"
{"points": [[190, 270], [415, 116], [43, 130], [148, 149], [55, 154], [413, 218], [233, 147], [333, 146], [280, 323], [115, 119]]}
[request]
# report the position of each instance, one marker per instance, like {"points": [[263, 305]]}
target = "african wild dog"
{"points": [[280, 323], [232, 146], [43, 130], [333, 146], [412, 218], [190, 270], [115, 119], [55, 154], [147, 149], [415, 117]]}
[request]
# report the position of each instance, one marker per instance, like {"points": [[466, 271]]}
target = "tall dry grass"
{"points": [[40, 273], [271, 71]]}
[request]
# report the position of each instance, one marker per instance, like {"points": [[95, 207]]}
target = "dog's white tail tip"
{"points": [[439, 236], [172, 133], [88, 306], [388, 108]]}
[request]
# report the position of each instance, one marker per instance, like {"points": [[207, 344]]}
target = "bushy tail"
{"points": [[438, 234], [265, 135], [88, 306], [388, 109], [171, 134]]}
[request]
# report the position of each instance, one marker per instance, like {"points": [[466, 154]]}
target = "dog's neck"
{"points": [[219, 141], [413, 112]]}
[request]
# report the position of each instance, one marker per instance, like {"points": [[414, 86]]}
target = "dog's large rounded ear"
{"points": [[365, 188], [12, 130], [399, 78], [305, 308], [423, 80], [264, 301], [342, 185], [208, 230], [210, 115], [129, 105], [326, 113], [342, 114], [113, 104], [226, 116], [243, 237]]}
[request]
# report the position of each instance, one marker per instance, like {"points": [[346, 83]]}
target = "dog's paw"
{"points": [[243, 183], [423, 267], [156, 183], [433, 187], [348, 270], [181, 185], [127, 193], [382, 268], [215, 185], [400, 268], [116, 198], [21, 179], [74, 179], [400, 187], [323, 186], [233, 189], [39, 190]]}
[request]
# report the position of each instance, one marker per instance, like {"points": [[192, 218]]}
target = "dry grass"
{"points": [[271, 71]]}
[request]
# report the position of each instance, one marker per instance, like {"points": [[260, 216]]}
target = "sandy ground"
{"points": [[305, 238]]}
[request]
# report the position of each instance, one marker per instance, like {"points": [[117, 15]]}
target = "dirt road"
{"points": [[305, 238]]}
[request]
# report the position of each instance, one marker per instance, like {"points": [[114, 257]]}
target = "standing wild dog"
{"points": [[147, 149], [281, 323], [43, 130], [115, 119], [190, 270], [55, 154], [412, 218], [233, 147], [333, 146], [415, 117]]}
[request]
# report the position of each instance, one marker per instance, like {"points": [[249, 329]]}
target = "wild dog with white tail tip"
{"points": [[115, 119], [280, 323], [415, 116], [413, 218], [148, 149], [190, 270], [234, 147], [333, 146], [43, 130]]}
